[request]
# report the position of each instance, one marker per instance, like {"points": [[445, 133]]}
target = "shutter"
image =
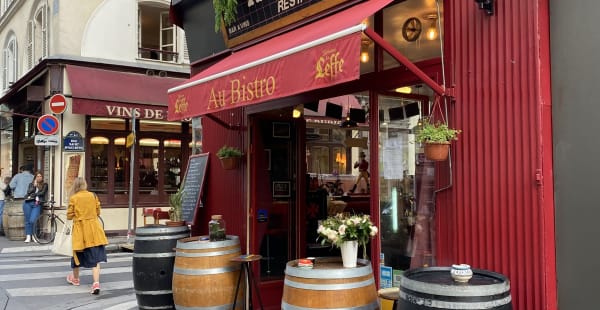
{"points": [[44, 32], [4, 69], [186, 53], [30, 46]]}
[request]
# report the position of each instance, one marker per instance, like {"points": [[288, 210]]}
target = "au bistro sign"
{"points": [[258, 17], [328, 64]]}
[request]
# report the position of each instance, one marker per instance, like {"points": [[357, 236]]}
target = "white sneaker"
{"points": [[28, 239]]}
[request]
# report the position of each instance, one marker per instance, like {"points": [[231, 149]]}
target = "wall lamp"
{"points": [[487, 5]]}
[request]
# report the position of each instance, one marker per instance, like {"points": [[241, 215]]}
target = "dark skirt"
{"points": [[90, 257]]}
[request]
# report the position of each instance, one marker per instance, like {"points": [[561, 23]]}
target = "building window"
{"points": [[156, 34], [37, 37], [9, 63]]}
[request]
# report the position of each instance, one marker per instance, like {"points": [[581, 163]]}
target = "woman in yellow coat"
{"points": [[89, 239]]}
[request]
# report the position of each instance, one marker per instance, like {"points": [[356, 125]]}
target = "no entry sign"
{"points": [[58, 104], [47, 124]]}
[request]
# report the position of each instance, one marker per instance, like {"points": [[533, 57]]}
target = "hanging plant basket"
{"points": [[437, 151], [230, 163]]}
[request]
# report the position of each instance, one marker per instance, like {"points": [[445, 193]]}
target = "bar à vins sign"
{"points": [[258, 17]]}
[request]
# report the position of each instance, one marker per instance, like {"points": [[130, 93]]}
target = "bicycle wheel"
{"points": [[44, 229]]}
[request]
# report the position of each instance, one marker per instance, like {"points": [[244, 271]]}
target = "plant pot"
{"points": [[349, 251], [230, 163], [437, 151]]}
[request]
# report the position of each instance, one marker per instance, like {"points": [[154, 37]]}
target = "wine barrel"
{"points": [[153, 260], [204, 277], [13, 220], [328, 285], [434, 288]]}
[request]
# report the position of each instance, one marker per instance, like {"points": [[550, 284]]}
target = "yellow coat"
{"points": [[84, 209]]}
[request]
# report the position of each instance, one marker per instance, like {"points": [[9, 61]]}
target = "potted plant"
{"points": [[175, 202], [348, 231], [436, 138], [229, 156]]}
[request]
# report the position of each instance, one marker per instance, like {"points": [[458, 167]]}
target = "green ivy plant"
{"points": [[225, 12], [436, 133], [229, 151]]}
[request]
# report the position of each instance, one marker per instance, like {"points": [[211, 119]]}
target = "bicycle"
{"points": [[44, 228]]}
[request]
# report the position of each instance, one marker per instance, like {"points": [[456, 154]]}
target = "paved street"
{"points": [[32, 277]]}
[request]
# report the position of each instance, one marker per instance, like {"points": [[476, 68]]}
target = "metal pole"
{"points": [[131, 172]]}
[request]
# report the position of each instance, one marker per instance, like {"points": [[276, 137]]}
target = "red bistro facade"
{"points": [[492, 202]]}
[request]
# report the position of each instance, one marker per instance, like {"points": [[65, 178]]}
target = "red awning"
{"points": [[117, 94], [318, 55]]}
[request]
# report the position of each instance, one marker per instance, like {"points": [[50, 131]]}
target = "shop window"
{"points": [[149, 125], [406, 183], [157, 35], [106, 123], [172, 161], [99, 164], [148, 166]]}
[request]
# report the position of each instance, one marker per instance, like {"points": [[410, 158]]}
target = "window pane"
{"points": [[99, 165], [148, 167], [172, 160], [121, 167]]}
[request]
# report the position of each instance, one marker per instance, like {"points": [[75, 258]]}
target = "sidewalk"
{"points": [[116, 244]]}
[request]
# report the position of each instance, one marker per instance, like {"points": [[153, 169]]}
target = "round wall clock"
{"points": [[411, 30]]}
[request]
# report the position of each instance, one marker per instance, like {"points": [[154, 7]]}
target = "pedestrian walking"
{"points": [[35, 199], [89, 239], [4, 192]]}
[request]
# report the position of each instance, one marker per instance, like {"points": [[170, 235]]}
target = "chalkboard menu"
{"points": [[258, 17], [192, 186]]}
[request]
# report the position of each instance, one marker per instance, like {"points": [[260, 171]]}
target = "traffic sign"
{"points": [[47, 124], [58, 104]]}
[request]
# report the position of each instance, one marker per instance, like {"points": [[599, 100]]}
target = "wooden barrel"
{"points": [[204, 277], [328, 285], [434, 288], [13, 220], [153, 260]]}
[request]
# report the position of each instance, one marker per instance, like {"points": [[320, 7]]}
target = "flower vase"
{"points": [[349, 251]]}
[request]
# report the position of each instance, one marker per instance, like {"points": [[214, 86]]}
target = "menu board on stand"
{"points": [[192, 187]]}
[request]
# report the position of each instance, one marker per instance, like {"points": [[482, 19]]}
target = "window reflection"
{"points": [[148, 167]]}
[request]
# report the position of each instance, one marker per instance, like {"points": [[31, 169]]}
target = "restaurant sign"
{"points": [[321, 66], [258, 17]]}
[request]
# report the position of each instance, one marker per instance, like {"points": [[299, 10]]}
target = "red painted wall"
{"points": [[225, 189], [499, 213]]}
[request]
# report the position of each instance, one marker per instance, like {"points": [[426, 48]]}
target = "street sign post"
{"points": [[48, 124], [58, 104]]}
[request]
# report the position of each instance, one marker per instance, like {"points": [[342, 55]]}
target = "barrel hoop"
{"points": [[161, 292], [191, 243], [201, 272], [158, 237], [330, 274], [443, 304], [372, 306], [220, 307], [446, 290], [216, 253], [328, 287], [153, 255], [447, 297], [155, 307], [161, 229]]}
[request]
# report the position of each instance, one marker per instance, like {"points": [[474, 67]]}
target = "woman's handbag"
{"points": [[63, 241]]}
